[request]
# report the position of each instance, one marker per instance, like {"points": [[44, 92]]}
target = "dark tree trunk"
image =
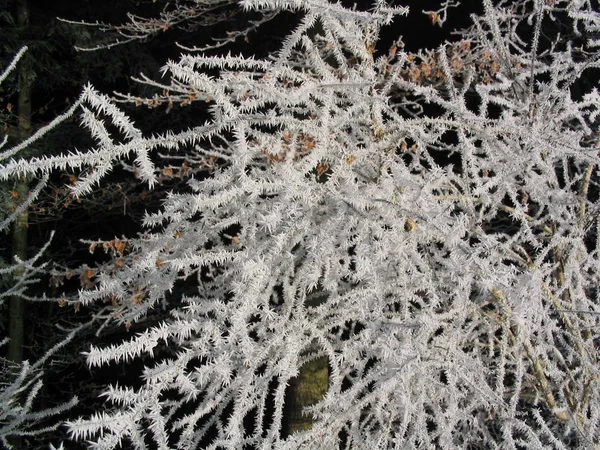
{"points": [[16, 330]]}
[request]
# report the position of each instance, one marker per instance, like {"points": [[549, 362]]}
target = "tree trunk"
{"points": [[17, 304], [21, 190], [16, 329], [308, 388]]}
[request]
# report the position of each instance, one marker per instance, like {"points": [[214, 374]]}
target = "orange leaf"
{"points": [[9, 107], [495, 67], [138, 297], [310, 143], [426, 70], [465, 45], [322, 168], [435, 18], [119, 246], [86, 278]]}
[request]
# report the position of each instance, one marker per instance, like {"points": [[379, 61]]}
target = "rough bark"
{"points": [[308, 388]]}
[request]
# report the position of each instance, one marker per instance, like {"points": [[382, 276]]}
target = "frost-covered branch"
{"points": [[426, 223]]}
